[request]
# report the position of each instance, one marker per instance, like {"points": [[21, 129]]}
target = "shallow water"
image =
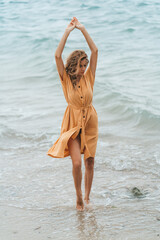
{"points": [[34, 195]]}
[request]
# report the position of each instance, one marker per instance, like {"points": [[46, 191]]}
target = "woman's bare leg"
{"points": [[89, 172], [75, 153]]}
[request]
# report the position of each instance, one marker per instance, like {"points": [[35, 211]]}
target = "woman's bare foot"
{"points": [[87, 201], [80, 204]]}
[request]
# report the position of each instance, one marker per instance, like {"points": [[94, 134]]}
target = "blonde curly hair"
{"points": [[73, 63]]}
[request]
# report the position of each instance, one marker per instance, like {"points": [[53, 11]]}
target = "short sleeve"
{"points": [[63, 83], [89, 76], [65, 76]]}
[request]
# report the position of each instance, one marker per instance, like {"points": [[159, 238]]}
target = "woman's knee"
{"points": [[89, 163], [77, 165]]}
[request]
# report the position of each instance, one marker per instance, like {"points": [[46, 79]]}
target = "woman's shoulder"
{"points": [[89, 74], [64, 76]]}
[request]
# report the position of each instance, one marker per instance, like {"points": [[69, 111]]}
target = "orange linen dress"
{"points": [[79, 114]]}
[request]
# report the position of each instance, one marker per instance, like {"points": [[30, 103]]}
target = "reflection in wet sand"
{"points": [[87, 226]]}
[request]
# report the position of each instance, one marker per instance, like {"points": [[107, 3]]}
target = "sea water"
{"points": [[37, 194]]}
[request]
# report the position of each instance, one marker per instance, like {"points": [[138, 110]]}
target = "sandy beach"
{"points": [[66, 223], [114, 212]]}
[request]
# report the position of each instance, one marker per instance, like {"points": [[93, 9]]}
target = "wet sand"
{"points": [[95, 222]]}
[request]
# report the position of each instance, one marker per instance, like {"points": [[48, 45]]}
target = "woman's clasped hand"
{"points": [[74, 24]]}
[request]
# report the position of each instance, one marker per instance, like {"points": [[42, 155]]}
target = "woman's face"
{"points": [[82, 67]]}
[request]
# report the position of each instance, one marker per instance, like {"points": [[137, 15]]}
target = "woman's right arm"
{"points": [[59, 50]]}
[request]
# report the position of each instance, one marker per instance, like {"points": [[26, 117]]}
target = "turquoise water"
{"points": [[126, 98]]}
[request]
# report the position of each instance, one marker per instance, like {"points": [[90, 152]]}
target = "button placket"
{"points": [[83, 112], [82, 102]]}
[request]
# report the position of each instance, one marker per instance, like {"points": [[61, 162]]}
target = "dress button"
{"points": [[79, 86], [83, 116], [81, 97]]}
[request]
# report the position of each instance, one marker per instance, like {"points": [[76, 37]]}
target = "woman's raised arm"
{"points": [[59, 50], [91, 44]]}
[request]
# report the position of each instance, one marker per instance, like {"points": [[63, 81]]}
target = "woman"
{"points": [[79, 130]]}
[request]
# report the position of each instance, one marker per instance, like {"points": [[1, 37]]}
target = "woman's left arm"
{"points": [[91, 44]]}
